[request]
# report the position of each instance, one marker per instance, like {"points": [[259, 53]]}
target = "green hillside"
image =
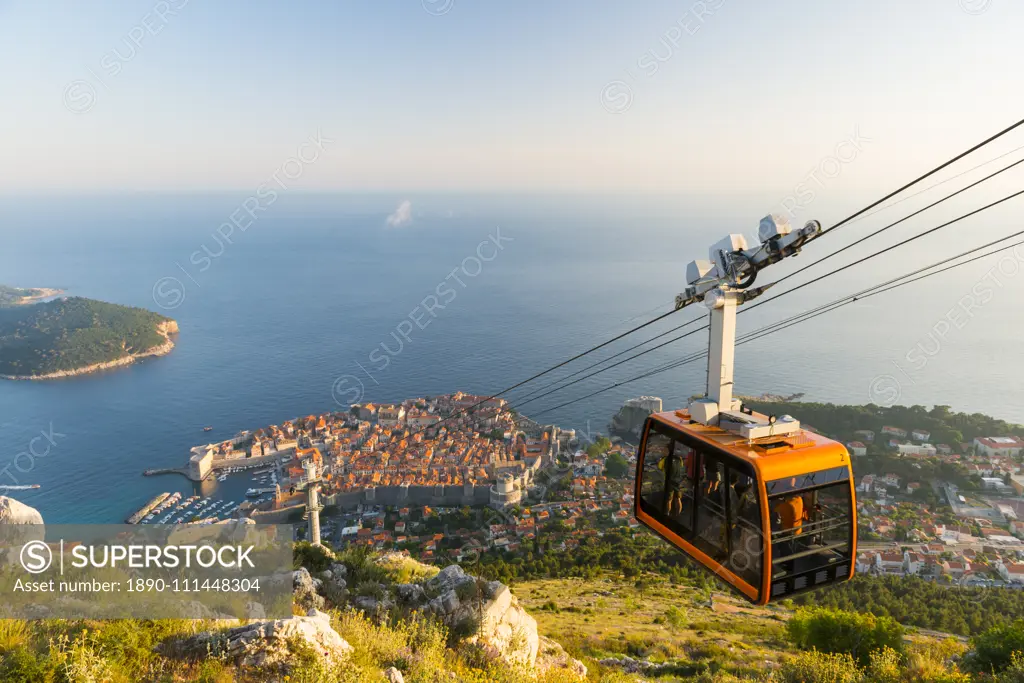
{"points": [[841, 421], [72, 333]]}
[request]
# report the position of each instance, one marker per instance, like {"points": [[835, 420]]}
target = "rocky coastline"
{"points": [[165, 329], [44, 293]]}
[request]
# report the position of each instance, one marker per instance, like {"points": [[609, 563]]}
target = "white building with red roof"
{"points": [[857, 448], [1011, 571], [998, 445]]}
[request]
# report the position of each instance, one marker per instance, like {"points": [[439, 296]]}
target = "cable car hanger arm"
{"points": [[723, 283], [732, 264]]}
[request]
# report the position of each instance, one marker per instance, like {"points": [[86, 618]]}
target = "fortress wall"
{"points": [[286, 515], [439, 496]]}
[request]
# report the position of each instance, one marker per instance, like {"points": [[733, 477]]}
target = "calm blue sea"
{"points": [[301, 308]]}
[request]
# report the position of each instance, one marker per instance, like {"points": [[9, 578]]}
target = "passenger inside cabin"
{"points": [[789, 518], [675, 477], [711, 508]]}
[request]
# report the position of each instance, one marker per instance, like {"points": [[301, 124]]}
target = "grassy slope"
{"points": [[609, 618], [594, 619]]}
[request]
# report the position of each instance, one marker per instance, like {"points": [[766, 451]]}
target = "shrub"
{"points": [[884, 666], [819, 667], [836, 631], [675, 617], [933, 662], [1014, 672], [994, 649], [308, 667], [80, 660], [467, 591], [313, 557], [19, 665], [370, 589], [415, 645], [13, 634], [213, 671]]}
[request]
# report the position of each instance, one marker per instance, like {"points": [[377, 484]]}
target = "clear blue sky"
{"points": [[497, 95]]}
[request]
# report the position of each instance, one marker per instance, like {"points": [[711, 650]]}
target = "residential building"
{"points": [[998, 445], [916, 449], [864, 435], [1010, 571]]}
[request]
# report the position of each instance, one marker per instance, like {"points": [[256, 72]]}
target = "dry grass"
{"points": [[609, 617]]}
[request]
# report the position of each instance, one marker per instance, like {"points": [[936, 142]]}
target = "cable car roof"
{"points": [[773, 457]]}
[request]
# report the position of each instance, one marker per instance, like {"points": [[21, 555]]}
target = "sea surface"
{"points": [[297, 314]]}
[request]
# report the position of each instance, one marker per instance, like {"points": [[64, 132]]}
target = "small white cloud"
{"points": [[402, 215]]}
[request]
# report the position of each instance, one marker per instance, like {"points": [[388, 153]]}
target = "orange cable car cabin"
{"points": [[770, 516], [765, 505]]}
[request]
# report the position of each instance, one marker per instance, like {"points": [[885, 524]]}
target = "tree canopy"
{"points": [[616, 466], [68, 334], [837, 631], [841, 421]]}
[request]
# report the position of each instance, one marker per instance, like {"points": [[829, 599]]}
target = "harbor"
{"points": [[202, 506], [205, 467], [172, 508]]}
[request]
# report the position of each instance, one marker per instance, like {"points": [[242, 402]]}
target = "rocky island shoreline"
{"points": [[165, 330], [69, 336]]}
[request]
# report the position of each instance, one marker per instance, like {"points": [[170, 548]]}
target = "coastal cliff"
{"points": [[631, 416]]}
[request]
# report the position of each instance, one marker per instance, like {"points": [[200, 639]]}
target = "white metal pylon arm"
{"points": [[722, 283], [732, 264]]}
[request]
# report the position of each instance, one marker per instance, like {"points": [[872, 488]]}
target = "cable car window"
{"points": [[711, 508], [807, 481], [667, 486], [682, 465], [652, 487], [812, 529], [746, 540]]}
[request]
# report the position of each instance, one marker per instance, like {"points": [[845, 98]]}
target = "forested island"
{"points": [[75, 335]]}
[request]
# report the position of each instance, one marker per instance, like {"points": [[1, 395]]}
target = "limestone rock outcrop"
{"points": [[265, 645], [483, 612], [19, 524], [553, 656], [16, 512], [305, 589], [502, 626]]}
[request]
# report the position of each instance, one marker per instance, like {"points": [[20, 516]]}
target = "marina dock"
{"points": [[147, 508]]}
